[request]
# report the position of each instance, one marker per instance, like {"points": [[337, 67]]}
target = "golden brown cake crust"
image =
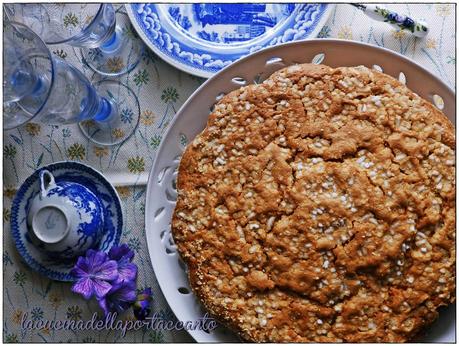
{"points": [[320, 206]]}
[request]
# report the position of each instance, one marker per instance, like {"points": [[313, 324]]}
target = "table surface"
{"points": [[161, 90]]}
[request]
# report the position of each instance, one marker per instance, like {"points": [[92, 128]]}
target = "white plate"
{"points": [[191, 120], [201, 39]]}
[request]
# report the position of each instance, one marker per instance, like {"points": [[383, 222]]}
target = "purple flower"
{"points": [[142, 305], [93, 274], [127, 271], [119, 298]]}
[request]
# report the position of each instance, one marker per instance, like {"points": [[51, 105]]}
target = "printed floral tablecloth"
{"points": [[161, 89]]}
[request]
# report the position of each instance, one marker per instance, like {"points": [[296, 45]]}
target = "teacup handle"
{"points": [[46, 182]]}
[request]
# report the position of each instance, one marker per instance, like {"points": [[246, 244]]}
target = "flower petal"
{"points": [[104, 306], [142, 306], [120, 297], [127, 272], [101, 288], [81, 268], [124, 291], [82, 263], [96, 258], [90, 255], [78, 273], [107, 271], [85, 287], [118, 252], [147, 291]]}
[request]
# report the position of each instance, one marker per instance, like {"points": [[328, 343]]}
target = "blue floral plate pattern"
{"points": [[64, 171], [201, 39]]}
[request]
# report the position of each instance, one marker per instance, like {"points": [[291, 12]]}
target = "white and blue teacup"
{"points": [[65, 219]]}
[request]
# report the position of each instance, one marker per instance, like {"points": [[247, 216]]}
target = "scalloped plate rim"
{"points": [[202, 73]]}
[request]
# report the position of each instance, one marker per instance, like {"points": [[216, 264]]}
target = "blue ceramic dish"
{"points": [[64, 172], [204, 38], [65, 219]]}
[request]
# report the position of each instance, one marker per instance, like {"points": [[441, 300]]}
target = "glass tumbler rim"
{"points": [[51, 59], [79, 34]]}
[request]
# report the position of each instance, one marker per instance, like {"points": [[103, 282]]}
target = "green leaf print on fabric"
{"points": [[9, 151], [156, 337], [170, 94], [141, 78], [70, 19], [155, 141], [6, 215], [19, 278], [11, 338], [74, 312], [136, 164], [76, 152]]}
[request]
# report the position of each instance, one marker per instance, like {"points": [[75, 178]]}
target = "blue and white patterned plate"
{"points": [[201, 39], [64, 171]]}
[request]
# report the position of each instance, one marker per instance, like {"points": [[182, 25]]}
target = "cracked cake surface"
{"points": [[319, 206]]}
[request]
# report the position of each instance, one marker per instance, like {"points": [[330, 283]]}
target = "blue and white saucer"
{"points": [[71, 172], [201, 38]]}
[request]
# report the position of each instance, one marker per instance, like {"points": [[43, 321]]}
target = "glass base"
{"points": [[123, 124], [119, 56]]}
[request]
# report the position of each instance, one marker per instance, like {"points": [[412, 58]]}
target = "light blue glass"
{"points": [[46, 89], [105, 37]]}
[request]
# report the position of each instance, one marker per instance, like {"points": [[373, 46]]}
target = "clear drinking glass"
{"points": [[41, 87], [105, 37]]}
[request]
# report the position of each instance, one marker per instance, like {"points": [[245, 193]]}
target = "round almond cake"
{"points": [[319, 206]]}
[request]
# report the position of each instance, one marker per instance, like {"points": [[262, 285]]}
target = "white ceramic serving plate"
{"points": [[191, 120]]}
